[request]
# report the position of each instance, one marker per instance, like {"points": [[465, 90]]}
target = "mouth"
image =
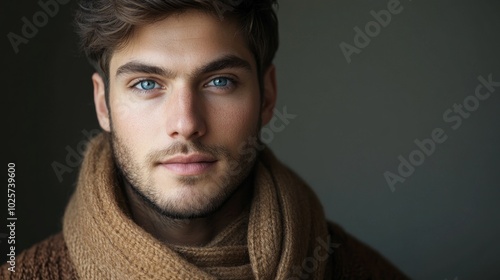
{"points": [[189, 165]]}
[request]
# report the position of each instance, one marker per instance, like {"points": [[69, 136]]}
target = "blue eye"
{"points": [[147, 85], [220, 82]]}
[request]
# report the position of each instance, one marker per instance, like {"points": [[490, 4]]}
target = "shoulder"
{"points": [[48, 259], [353, 259]]}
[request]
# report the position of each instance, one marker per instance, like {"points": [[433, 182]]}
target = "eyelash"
{"points": [[231, 84], [134, 86]]}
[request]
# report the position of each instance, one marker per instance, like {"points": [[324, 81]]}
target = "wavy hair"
{"points": [[106, 25]]}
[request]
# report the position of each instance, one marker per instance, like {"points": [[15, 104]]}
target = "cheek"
{"points": [[235, 123], [122, 117], [133, 117], [130, 125]]}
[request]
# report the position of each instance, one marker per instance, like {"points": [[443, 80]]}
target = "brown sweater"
{"points": [[284, 235], [351, 259]]}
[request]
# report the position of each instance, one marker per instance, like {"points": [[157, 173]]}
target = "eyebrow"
{"points": [[139, 67], [228, 61]]}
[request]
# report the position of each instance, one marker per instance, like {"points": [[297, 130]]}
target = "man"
{"points": [[178, 186]]}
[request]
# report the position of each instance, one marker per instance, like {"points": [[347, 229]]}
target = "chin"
{"points": [[190, 208], [190, 199]]}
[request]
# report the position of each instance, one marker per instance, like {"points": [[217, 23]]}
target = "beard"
{"points": [[196, 196]]}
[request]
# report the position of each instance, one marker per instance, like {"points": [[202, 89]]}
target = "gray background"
{"points": [[353, 121]]}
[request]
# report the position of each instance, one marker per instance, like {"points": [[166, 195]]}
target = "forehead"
{"points": [[183, 41]]}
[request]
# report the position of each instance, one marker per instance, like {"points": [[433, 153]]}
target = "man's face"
{"points": [[184, 97]]}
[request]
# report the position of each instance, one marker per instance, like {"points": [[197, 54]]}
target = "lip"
{"points": [[194, 164]]}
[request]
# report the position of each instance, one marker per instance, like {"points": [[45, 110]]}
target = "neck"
{"points": [[189, 232]]}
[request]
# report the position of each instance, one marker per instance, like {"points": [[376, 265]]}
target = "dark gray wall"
{"points": [[353, 120]]}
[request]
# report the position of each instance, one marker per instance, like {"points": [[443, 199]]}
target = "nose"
{"points": [[185, 114]]}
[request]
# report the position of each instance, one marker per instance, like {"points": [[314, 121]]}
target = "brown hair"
{"points": [[105, 25]]}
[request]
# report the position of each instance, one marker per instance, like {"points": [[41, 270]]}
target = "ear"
{"points": [[269, 95], [100, 102]]}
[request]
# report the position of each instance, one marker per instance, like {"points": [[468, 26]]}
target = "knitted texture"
{"points": [[284, 235], [47, 260], [284, 222]]}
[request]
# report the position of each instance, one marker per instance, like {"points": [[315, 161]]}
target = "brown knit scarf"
{"points": [[281, 230]]}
